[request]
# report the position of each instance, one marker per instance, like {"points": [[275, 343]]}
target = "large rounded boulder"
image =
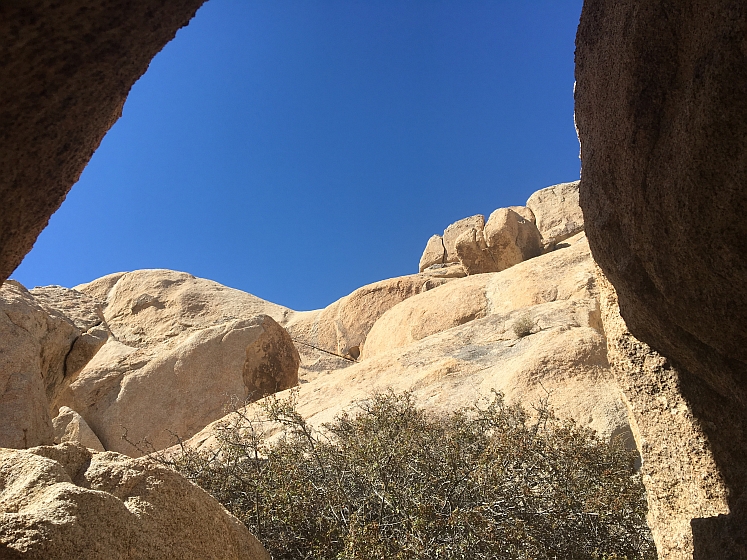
{"points": [[69, 503]]}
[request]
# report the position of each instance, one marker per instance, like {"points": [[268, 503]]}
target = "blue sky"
{"points": [[301, 149]]}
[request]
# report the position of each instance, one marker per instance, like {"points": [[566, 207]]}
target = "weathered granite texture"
{"points": [[65, 71], [681, 477], [661, 111]]}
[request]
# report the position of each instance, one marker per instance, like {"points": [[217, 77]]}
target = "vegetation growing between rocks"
{"points": [[393, 481], [523, 326]]}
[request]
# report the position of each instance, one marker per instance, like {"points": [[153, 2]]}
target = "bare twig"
{"points": [[348, 358]]}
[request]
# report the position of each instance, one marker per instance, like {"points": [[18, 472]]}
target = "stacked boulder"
{"points": [[453, 343], [155, 353], [70, 503], [46, 335], [510, 235], [151, 354], [182, 348]]}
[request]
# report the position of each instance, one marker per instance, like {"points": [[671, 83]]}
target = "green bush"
{"points": [[395, 482]]}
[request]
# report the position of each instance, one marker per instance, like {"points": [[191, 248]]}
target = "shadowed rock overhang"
{"points": [[65, 71]]}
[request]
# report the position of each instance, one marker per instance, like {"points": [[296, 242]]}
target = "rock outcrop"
{"points": [[661, 111], [454, 343], [434, 253], [67, 503], [511, 235], [679, 470], [69, 426], [557, 212], [180, 350], [39, 346], [148, 307], [507, 238], [557, 276], [340, 330], [67, 68], [174, 388]]}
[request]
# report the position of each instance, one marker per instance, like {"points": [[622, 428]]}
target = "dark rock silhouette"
{"points": [[65, 71], [661, 110]]}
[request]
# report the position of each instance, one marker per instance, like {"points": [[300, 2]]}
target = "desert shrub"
{"points": [[523, 325], [392, 481]]}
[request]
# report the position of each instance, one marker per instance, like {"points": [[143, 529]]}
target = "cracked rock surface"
{"points": [[68, 503], [661, 111], [35, 343], [182, 349]]}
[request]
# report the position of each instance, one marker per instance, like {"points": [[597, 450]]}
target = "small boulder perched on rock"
{"points": [[69, 426], [456, 230], [508, 238], [435, 253], [557, 212], [511, 237], [442, 249], [68, 503]]}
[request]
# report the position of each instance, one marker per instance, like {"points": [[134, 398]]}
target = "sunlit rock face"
{"points": [[510, 235], [68, 502], [65, 71], [661, 111]]}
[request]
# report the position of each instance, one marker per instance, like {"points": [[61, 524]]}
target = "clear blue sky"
{"points": [[300, 149]]}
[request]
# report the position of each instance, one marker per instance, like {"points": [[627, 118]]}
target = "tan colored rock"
{"points": [[457, 366], [175, 388], [473, 253], [67, 503], [453, 344], [342, 327], [100, 288], [452, 233], [434, 253], [679, 470], [453, 304], [446, 270], [566, 274], [557, 212], [70, 427], [272, 361], [84, 348], [33, 350], [148, 307], [85, 312], [525, 213], [507, 239], [511, 237]]}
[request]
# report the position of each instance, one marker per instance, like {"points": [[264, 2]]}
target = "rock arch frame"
{"points": [[662, 112]]}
